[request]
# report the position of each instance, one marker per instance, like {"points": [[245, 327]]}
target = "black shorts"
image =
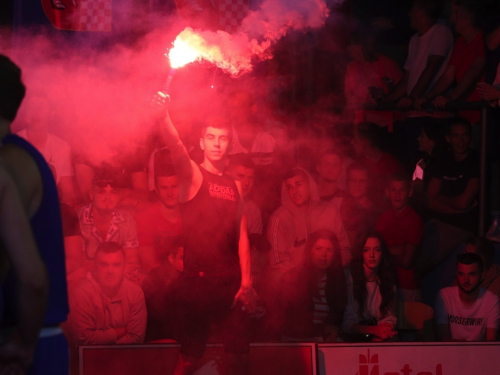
{"points": [[206, 300]]}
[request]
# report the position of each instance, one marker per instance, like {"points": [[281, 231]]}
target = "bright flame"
{"points": [[233, 53], [184, 51]]}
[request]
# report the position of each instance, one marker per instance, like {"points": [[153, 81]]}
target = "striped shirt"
{"points": [[321, 308]]}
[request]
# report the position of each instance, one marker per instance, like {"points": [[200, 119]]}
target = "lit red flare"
{"points": [[186, 49]]}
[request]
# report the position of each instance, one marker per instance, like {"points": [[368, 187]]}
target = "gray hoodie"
{"points": [[289, 227]]}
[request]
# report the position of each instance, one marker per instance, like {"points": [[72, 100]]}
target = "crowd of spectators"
{"points": [[340, 234]]}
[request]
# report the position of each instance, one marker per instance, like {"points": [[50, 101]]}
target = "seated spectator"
{"points": [[431, 143], [454, 184], [370, 310], [159, 288], [55, 150], [368, 143], [106, 308], [467, 312], [485, 249], [329, 168], [315, 292], [300, 214], [466, 64], [101, 221], [160, 223], [242, 168], [75, 257], [402, 230], [358, 211]]}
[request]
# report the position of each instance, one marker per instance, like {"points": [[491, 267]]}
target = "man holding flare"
{"points": [[216, 285]]}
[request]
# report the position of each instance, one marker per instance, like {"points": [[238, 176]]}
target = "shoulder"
{"points": [[251, 206], [148, 212], [84, 214], [449, 292], [84, 290], [281, 214], [413, 216], [440, 29], [133, 291], [488, 296], [384, 217], [127, 217]]}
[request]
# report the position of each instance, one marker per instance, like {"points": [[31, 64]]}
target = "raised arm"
{"points": [[190, 177]]}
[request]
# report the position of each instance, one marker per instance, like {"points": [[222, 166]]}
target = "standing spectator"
{"points": [[428, 54], [106, 308], [402, 229], [315, 292], [370, 310], [467, 312], [160, 223], [217, 260], [466, 64], [55, 150], [34, 299]]}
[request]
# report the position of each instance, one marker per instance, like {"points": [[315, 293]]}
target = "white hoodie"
{"points": [[289, 227]]}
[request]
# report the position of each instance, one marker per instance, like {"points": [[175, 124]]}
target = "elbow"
{"points": [[464, 203]]}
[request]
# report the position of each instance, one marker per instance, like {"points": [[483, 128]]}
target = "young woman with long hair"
{"points": [[315, 292], [372, 295]]}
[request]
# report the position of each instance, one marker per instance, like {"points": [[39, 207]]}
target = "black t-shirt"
{"points": [[211, 228], [455, 175]]}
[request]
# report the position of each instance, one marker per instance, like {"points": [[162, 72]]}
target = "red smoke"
{"points": [[233, 53]]}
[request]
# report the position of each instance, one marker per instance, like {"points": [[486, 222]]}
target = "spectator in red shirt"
{"points": [[466, 64], [402, 229], [358, 211], [158, 224]]}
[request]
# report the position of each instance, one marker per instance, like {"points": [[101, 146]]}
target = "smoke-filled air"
{"points": [[233, 53]]}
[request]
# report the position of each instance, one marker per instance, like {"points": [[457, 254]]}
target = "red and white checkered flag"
{"points": [[94, 15], [231, 13]]}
